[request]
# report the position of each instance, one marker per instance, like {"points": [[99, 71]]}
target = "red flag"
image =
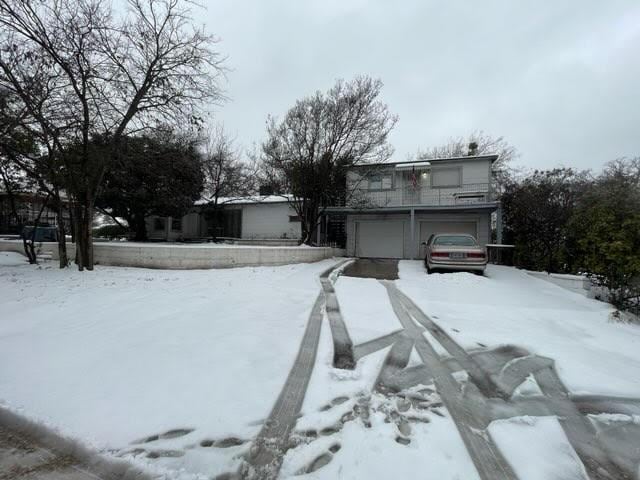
{"points": [[414, 178]]}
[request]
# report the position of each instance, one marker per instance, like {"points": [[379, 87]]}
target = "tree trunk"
{"points": [[310, 223], [62, 242], [62, 233], [83, 220], [140, 228], [29, 245], [29, 249]]}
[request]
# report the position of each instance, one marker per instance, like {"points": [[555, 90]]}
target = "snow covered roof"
{"points": [[413, 165], [252, 199], [492, 157]]}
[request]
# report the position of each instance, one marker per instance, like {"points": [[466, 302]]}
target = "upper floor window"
{"points": [[446, 177], [381, 182]]}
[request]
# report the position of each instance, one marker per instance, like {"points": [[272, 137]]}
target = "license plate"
{"points": [[457, 255]]}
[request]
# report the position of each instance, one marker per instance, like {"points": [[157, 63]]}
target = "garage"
{"points": [[427, 228], [380, 239]]}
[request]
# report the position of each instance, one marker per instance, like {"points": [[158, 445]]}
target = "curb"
{"points": [[95, 463]]}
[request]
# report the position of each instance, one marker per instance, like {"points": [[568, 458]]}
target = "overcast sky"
{"points": [[559, 80]]}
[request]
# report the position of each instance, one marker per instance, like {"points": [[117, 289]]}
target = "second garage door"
{"points": [[380, 239], [427, 228]]}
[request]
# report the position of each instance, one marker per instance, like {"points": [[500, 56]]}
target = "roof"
{"points": [[249, 200], [492, 157], [31, 194]]}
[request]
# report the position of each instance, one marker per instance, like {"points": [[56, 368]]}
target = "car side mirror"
{"points": [[424, 243]]}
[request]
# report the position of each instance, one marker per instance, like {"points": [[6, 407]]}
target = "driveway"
{"points": [[378, 268]]}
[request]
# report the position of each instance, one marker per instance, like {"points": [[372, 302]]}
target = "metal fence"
{"points": [[466, 194]]}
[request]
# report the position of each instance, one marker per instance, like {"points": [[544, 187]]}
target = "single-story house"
{"points": [[255, 218], [18, 209], [392, 208]]}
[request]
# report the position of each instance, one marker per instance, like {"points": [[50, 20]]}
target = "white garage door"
{"points": [[427, 228], [380, 239]]}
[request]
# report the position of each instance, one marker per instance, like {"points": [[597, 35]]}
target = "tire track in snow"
{"points": [[487, 458], [270, 445], [265, 458]]}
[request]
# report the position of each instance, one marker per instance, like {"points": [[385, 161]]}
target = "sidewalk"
{"points": [[22, 458]]}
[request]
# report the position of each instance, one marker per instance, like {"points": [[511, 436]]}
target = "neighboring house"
{"points": [[27, 207], [257, 218], [392, 208]]}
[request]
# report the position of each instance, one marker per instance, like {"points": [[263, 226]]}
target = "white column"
{"points": [[413, 236]]}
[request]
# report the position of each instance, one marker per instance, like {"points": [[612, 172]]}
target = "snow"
{"points": [[119, 354], [435, 449], [537, 448], [11, 259], [115, 356], [365, 308], [507, 306], [253, 199]]}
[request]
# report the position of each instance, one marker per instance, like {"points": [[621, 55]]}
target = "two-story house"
{"points": [[392, 208]]}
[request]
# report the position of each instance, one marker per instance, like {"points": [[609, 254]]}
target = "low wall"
{"points": [[172, 256], [575, 283], [271, 242]]}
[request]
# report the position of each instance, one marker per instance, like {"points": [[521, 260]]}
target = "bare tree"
{"points": [[481, 144], [226, 175], [83, 73], [310, 150], [29, 150]]}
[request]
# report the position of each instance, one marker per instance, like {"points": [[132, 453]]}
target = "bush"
{"points": [[110, 231], [568, 222]]}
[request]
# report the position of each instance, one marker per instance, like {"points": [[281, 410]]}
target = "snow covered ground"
{"points": [[121, 354], [508, 306], [184, 366]]}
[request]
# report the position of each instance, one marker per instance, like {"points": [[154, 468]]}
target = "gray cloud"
{"points": [[558, 79]]}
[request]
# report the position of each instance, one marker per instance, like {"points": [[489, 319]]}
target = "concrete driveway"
{"points": [[378, 268]]}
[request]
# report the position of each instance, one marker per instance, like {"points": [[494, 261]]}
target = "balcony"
{"points": [[422, 196]]}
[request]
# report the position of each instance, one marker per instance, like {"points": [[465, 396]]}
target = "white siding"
{"points": [[269, 220], [477, 171], [191, 225]]}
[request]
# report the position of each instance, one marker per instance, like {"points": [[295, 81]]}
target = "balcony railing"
{"points": [[467, 194]]}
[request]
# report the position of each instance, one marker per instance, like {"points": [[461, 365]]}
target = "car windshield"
{"points": [[455, 240]]}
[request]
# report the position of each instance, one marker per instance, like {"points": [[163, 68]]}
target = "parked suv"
{"points": [[455, 251]]}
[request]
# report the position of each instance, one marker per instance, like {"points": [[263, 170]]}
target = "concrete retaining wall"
{"points": [[172, 256], [575, 283]]}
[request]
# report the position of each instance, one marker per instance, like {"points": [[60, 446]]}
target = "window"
{"points": [[446, 177], [158, 223], [380, 182], [176, 224], [294, 218], [455, 240]]}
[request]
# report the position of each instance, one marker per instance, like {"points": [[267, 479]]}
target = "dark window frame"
{"points": [[380, 175]]}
